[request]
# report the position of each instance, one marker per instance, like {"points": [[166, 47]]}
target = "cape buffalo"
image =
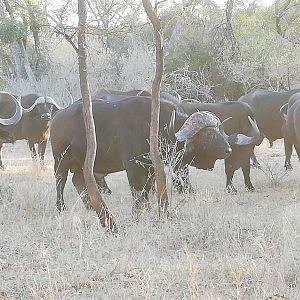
{"points": [[33, 125], [266, 105], [242, 135], [243, 132], [291, 129], [103, 92], [122, 132]]}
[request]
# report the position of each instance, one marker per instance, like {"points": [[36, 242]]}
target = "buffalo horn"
{"points": [[222, 128], [194, 123], [71, 97], [190, 100], [172, 124], [41, 100], [176, 95], [243, 140], [282, 113], [140, 92], [17, 115]]}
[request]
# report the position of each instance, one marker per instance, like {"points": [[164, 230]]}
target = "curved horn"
{"points": [[41, 100], [51, 101], [190, 100], [37, 101], [71, 97], [194, 123], [171, 125], [17, 115], [222, 127], [143, 91], [282, 113], [176, 94], [242, 139]]}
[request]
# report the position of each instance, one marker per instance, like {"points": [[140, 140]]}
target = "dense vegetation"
{"points": [[213, 52]]}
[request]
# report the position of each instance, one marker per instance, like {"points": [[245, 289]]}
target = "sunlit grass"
{"points": [[216, 246]]}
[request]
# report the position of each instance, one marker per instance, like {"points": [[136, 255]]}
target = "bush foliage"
{"points": [[203, 60]]}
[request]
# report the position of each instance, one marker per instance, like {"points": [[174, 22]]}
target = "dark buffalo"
{"points": [[122, 132], [266, 106], [104, 92], [239, 128], [291, 129], [242, 135], [33, 125]]}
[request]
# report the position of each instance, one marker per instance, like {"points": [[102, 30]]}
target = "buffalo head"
{"points": [[42, 108], [204, 140]]}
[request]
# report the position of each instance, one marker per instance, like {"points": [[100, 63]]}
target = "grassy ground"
{"points": [[217, 246]]}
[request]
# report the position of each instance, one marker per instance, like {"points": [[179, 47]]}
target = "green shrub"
{"points": [[11, 31]]}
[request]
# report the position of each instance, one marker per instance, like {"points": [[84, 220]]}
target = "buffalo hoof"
{"points": [[87, 204], [256, 165], [230, 189], [60, 207], [250, 188], [288, 167]]}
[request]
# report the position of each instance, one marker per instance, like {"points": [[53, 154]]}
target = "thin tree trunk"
{"points": [[94, 195], [158, 166]]}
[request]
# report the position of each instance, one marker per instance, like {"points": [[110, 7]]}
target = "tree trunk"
{"points": [[231, 39], [22, 61], [158, 166], [94, 195]]}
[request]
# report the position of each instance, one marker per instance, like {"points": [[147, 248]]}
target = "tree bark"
{"points": [[158, 166], [23, 61], [94, 195], [229, 31]]}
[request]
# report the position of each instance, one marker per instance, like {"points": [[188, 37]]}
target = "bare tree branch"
{"points": [[280, 15], [160, 175], [94, 196]]}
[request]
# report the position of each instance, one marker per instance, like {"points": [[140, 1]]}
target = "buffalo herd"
{"points": [[192, 133]]}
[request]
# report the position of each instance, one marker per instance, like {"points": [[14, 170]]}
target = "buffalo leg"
{"points": [[1, 162], [79, 183], [246, 173], [32, 150], [271, 143], [255, 162], [288, 148], [140, 183], [61, 174], [297, 147], [229, 176], [99, 206], [41, 152], [102, 184]]}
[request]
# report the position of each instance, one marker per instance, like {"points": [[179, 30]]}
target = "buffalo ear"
{"points": [[55, 108]]}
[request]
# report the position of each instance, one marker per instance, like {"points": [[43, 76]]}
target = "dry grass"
{"points": [[217, 246]]}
